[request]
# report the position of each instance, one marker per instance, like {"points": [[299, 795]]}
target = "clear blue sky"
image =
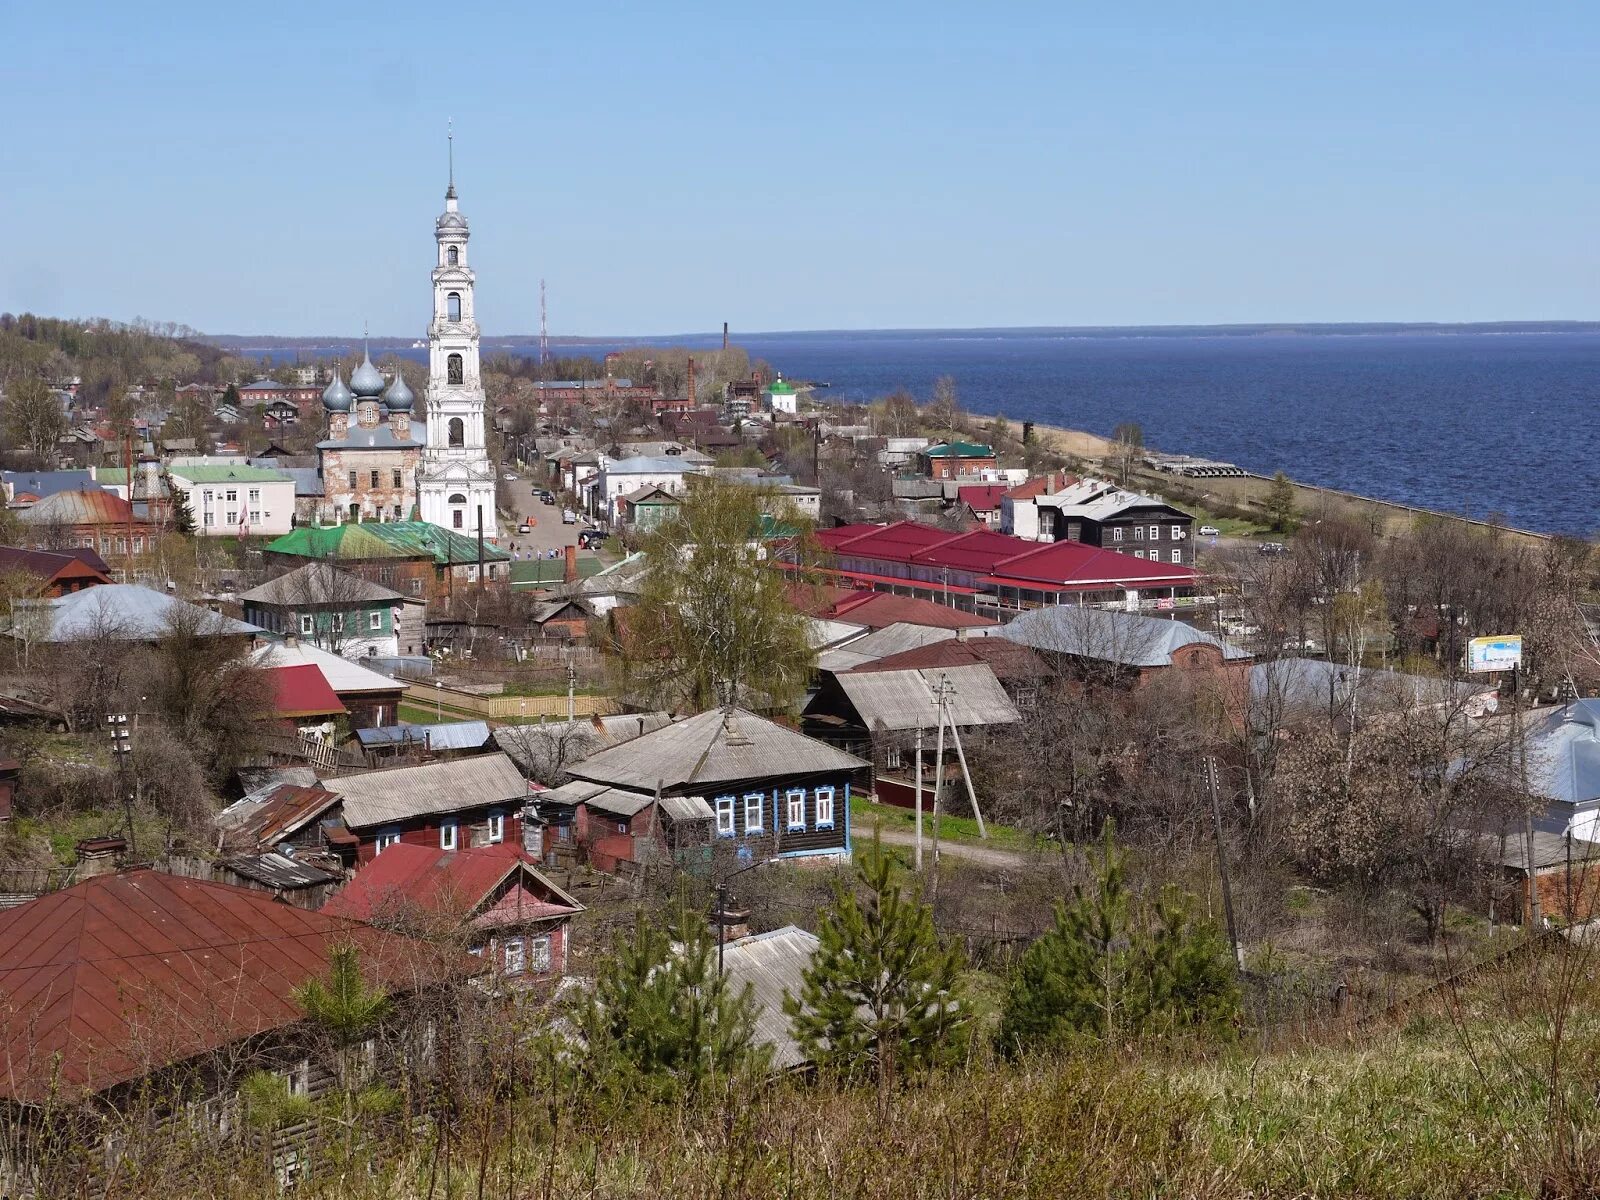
{"points": [[668, 166]]}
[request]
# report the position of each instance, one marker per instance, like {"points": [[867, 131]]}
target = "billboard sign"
{"points": [[1494, 653]]}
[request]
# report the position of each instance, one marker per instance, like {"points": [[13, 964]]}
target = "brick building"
{"points": [[368, 463]]}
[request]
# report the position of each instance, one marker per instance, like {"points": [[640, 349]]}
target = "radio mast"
{"points": [[544, 329]]}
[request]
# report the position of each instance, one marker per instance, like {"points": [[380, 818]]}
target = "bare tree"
{"points": [[33, 418]]}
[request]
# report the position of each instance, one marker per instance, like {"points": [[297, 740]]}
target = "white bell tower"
{"points": [[455, 479]]}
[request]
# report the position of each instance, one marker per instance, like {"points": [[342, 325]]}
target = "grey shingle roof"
{"points": [[907, 699], [320, 583], [400, 793], [714, 747], [1563, 748], [1128, 639]]}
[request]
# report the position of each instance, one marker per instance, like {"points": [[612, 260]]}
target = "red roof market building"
{"points": [[986, 569], [513, 916], [121, 976]]}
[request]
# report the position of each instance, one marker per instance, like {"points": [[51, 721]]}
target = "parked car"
{"points": [[590, 538], [568, 517], [1210, 531], [1270, 548], [525, 527], [509, 477], [546, 496]]}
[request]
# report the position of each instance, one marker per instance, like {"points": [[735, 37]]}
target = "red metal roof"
{"points": [[877, 610], [459, 884], [115, 977], [1001, 560], [52, 564], [303, 691], [1008, 659], [983, 497]]}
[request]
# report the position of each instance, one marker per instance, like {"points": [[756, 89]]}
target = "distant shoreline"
{"points": [[514, 341]]}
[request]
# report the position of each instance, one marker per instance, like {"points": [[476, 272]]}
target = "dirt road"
{"points": [[966, 851]]}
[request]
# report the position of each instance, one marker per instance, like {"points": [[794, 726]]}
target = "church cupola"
{"points": [[366, 381], [398, 400]]}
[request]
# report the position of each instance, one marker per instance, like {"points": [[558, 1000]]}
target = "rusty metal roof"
{"points": [[115, 977]]}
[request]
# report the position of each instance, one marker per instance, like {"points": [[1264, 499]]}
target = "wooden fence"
{"points": [[506, 708]]}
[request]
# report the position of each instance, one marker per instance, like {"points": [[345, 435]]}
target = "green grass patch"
{"points": [[864, 813]]}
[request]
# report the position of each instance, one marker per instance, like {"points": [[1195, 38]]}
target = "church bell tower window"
{"points": [[453, 369], [458, 436], [452, 256], [452, 304]]}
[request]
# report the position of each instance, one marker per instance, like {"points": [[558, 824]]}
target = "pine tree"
{"points": [[345, 1007], [1280, 502], [882, 993], [1114, 968], [661, 1016]]}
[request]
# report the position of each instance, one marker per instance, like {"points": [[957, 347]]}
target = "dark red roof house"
{"points": [[512, 914], [58, 572], [124, 976], [981, 503], [301, 693]]}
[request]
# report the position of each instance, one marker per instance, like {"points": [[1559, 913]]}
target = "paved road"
{"points": [[988, 855], [548, 531]]}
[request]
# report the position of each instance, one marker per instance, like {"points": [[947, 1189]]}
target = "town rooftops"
{"points": [[320, 583], [1007, 659], [366, 540], [268, 815], [445, 735], [1563, 753], [344, 676], [1283, 686], [48, 564], [665, 465], [107, 980], [878, 610], [981, 497], [908, 699], [90, 506], [998, 560], [301, 691], [127, 612], [772, 964], [959, 450], [717, 746], [227, 473], [1096, 500], [1127, 639], [451, 883], [401, 793], [29, 486]]}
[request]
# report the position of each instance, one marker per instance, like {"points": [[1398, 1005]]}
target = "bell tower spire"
{"points": [[450, 138]]}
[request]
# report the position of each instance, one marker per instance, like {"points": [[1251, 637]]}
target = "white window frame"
{"points": [[255, 495], [1155, 533], [824, 797], [755, 802], [209, 518], [375, 621], [513, 956], [892, 758], [1177, 555], [383, 841], [1138, 533], [232, 495], [449, 835], [233, 516], [793, 799], [308, 624], [1116, 533], [1140, 553], [725, 817], [540, 954], [497, 827]]}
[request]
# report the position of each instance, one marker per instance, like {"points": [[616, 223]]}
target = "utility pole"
{"points": [[919, 796], [1222, 861], [938, 782], [966, 775], [480, 547], [1521, 749], [572, 679]]}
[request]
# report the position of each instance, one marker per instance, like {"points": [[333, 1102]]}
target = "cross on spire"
{"points": [[450, 138]]}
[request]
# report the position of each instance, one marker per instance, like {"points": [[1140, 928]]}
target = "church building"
{"points": [[455, 479], [368, 465]]}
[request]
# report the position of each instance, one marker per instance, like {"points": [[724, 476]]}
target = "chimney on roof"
{"points": [[961, 634], [569, 570], [99, 856]]}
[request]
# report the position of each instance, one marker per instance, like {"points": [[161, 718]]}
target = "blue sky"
{"points": [[666, 167]]}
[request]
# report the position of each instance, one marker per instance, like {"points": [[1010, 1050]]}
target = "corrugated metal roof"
{"points": [[714, 747], [112, 978], [376, 437], [130, 612], [384, 539], [218, 473], [90, 506], [46, 483], [280, 871], [1563, 752], [908, 700], [772, 964], [344, 676], [320, 583], [618, 802], [1128, 639], [687, 808], [400, 793]]}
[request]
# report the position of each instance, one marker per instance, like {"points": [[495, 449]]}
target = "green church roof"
{"points": [[960, 450], [779, 388], [384, 539]]}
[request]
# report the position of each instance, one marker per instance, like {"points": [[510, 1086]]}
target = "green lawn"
{"points": [[864, 814]]}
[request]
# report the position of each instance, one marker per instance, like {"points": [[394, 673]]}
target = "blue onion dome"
{"points": [[366, 381], [336, 397], [398, 398]]}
